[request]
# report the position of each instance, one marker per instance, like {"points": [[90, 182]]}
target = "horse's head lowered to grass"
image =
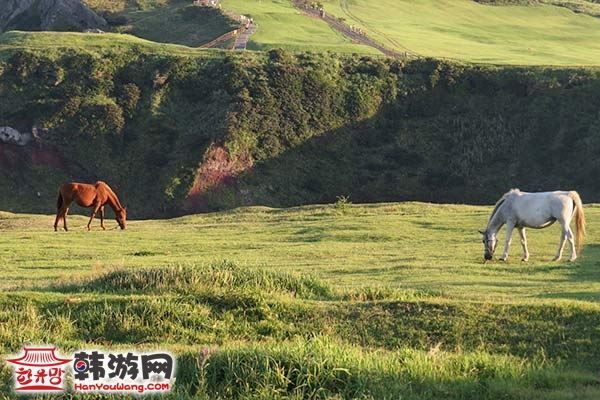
{"points": [[490, 241], [122, 217], [522, 210], [93, 196]]}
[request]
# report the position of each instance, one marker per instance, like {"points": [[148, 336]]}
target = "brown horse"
{"points": [[90, 196]]}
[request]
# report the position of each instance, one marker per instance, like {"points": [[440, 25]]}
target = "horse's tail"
{"points": [[59, 202], [579, 219]]}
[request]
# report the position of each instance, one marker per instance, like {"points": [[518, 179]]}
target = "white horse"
{"points": [[523, 210]]}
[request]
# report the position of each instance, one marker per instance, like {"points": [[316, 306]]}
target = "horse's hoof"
{"points": [[572, 259], [556, 259], [524, 259]]}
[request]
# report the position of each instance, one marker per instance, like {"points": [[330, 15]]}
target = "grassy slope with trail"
{"points": [[178, 22], [474, 32], [282, 26], [398, 299], [520, 32], [91, 43], [164, 21]]}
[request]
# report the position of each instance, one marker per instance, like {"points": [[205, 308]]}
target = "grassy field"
{"points": [[553, 32], [370, 301], [467, 30], [542, 34], [179, 22], [58, 42], [164, 21], [281, 25]]}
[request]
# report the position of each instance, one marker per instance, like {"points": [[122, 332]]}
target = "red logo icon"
{"points": [[39, 370]]}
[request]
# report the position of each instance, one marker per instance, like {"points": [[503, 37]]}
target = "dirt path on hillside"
{"points": [[241, 35], [241, 41], [346, 9], [346, 30]]}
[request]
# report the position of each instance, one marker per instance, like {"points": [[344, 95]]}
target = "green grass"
{"points": [[178, 22], [542, 34], [116, 6], [368, 301], [380, 301], [92, 42], [466, 30], [413, 245], [56, 43], [280, 25], [553, 32]]}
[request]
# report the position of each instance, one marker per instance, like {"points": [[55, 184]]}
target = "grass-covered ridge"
{"points": [[54, 43], [280, 25], [165, 21], [515, 32], [522, 33], [348, 301], [177, 130]]}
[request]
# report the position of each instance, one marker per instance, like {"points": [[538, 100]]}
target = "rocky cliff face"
{"points": [[48, 15]]}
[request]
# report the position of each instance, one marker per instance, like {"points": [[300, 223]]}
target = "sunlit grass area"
{"points": [[374, 301], [92, 42], [421, 246], [281, 25], [475, 32]]}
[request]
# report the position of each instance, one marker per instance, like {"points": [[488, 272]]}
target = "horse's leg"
{"points": [[102, 218], [64, 217], [571, 240], [561, 245], [509, 228], [524, 244], [96, 208], [57, 220]]}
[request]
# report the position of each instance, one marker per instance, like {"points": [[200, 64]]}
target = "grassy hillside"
{"points": [[521, 32], [200, 130], [165, 21], [282, 26], [55, 43], [477, 32], [371, 301], [178, 21]]}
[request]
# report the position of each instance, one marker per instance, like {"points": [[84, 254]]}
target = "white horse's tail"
{"points": [[579, 220]]}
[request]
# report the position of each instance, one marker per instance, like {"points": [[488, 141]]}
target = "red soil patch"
{"points": [[216, 170], [12, 156], [47, 157]]}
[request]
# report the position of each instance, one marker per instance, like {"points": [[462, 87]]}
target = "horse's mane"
{"points": [[502, 200], [114, 195], [505, 196]]}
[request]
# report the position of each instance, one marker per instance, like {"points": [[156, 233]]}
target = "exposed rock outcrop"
{"points": [[48, 15], [13, 136]]}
